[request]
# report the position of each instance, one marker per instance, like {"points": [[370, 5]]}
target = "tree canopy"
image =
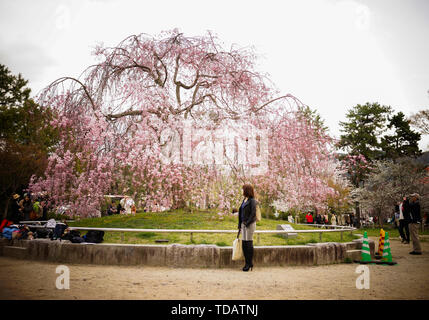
{"points": [[25, 135], [372, 131], [186, 116]]}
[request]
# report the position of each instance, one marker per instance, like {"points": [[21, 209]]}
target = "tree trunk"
{"points": [[357, 208], [380, 222], [4, 215]]}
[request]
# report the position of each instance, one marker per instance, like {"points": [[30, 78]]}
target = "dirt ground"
{"points": [[36, 280]]}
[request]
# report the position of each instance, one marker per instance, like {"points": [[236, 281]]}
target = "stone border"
{"points": [[177, 255]]}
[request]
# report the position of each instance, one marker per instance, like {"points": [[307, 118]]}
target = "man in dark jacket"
{"points": [[318, 218], [415, 221], [16, 214]]}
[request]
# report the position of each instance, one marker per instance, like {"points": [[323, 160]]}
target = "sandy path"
{"points": [[36, 280]]}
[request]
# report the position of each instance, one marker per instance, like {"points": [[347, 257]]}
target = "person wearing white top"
{"points": [[403, 224], [333, 220]]}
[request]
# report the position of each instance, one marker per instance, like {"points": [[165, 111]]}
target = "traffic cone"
{"points": [[366, 254], [387, 255]]}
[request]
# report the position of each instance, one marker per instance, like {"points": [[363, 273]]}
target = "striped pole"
{"points": [[381, 242]]}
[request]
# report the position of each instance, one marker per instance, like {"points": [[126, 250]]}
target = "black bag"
{"points": [[43, 233], [59, 231], [70, 235], [77, 240], [94, 236]]}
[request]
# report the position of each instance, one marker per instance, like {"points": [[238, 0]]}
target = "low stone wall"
{"points": [[176, 255]]}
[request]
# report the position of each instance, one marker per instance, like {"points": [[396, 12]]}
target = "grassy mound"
{"points": [[198, 220]]}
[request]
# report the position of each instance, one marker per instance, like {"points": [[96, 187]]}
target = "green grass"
{"points": [[182, 219]]}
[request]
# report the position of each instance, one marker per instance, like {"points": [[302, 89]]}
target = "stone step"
{"points": [[15, 252], [354, 254]]}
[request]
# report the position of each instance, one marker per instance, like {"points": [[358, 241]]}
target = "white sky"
{"points": [[331, 54]]}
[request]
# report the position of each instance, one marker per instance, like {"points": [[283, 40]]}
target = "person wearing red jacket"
{"points": [[309, 217]]}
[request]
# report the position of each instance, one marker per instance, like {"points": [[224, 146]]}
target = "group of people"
{"points": [[27, 208], [125, 206], [342, 220], [408, 220]]}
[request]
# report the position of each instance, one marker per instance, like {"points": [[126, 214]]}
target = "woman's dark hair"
{"points": [[248, 191]]}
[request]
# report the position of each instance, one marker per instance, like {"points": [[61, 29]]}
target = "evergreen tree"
{"points": [[25, 136], [366, 123], [403, 141]]}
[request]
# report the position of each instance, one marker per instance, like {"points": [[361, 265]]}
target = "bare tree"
{"points": [[389, 182]]}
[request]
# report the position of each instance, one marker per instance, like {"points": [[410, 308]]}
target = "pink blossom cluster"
{"points": [[357, 167]]}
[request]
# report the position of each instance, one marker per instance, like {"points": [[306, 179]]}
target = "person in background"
{"points": [[119, 208], [341, 219], [348, 220], [109, 209], [27, 207], [37, 209], [16, 214], [396, 218], [309, 217], [318, 218], [404, 220], [333, 220], [45, 208], [415, 221]]}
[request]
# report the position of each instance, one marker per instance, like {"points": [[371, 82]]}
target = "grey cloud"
{"points": [[29, 59]]}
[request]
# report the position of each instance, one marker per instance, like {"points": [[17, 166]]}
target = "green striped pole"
{"points": [[366, 254]]}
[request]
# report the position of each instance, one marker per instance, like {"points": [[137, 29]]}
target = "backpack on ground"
{"points": [[59, 231], [7, 232], [43, 233], [70, 234], [77, 240], [94, 236]]}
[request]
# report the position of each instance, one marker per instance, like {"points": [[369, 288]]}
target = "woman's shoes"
{"points": [[415, 252], [247, 267]]}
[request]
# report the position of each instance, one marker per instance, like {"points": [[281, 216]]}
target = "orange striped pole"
{"points": [[381, 242]]}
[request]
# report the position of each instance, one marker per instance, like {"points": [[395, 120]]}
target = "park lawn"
{"points": [[182, 219]]}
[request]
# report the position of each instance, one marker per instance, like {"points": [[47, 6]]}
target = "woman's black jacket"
{"points": [[247, 213]]}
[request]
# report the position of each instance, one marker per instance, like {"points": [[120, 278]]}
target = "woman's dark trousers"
{"points": [[403, 225]]}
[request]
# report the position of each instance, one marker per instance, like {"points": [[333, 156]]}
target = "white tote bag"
{"points": [[237, 249]]}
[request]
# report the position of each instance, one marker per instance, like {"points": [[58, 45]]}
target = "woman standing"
{"points": [[27, 207], [333, 220], [247, 224]]}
